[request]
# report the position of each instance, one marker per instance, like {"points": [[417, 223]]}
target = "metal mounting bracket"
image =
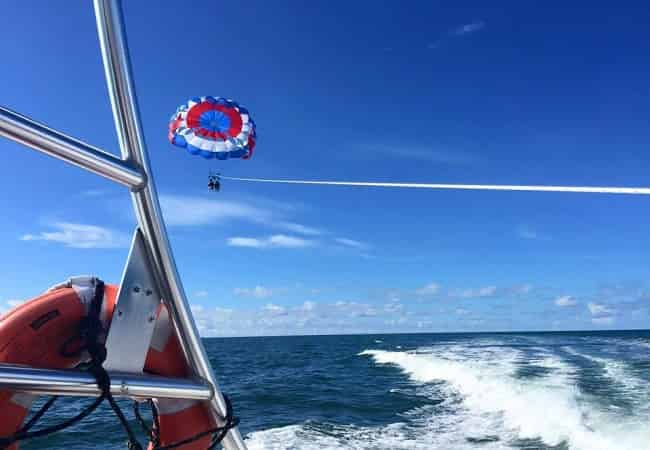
{"points": [[134, 317]]}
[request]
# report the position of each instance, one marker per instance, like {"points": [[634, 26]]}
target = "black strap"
{"points": [[218, 433]]}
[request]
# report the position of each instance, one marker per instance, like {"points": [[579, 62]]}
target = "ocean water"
{"points": [[561, 391]]}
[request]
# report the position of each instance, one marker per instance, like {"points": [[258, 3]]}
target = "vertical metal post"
{"points": [[112, 39]]}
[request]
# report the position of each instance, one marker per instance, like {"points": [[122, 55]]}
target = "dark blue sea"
{"points": [[582, 391]]}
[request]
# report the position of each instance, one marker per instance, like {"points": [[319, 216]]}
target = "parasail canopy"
{"points": [[213, 127]]}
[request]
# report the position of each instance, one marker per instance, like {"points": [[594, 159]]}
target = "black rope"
{"points": [[35, 418], [149, 431], [218, 433]]}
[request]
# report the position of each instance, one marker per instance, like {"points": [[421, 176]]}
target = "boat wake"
{"points": [[487, 404]]}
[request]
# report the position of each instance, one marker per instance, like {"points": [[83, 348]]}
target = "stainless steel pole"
{"points": [[74, 382], [54, 143], [117, 67]]}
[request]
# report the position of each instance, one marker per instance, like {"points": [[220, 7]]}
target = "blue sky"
{"points": [[522, 93]]}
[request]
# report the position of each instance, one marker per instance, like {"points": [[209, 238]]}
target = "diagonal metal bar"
{"points": [[26, 131], [117, 67]]}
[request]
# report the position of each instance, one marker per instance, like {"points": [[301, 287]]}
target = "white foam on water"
{"points": [[486, 407], [396, 436], [545, 409], [619, 373]]}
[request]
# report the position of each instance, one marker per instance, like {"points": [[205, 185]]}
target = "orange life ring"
{"points": [[33, 334]]}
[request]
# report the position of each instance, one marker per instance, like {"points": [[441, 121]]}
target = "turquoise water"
{"points": [[583, 391]]}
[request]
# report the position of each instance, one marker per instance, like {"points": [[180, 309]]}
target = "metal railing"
{"points": [[133, 171]]}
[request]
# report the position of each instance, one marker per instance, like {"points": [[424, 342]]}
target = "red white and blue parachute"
{"points": [[213, 127]]}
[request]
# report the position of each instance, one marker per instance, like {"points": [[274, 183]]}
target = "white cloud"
{"points": [[191, 211], [94, 193], [462, 312], [351, 243], [246, 242], [275, 241], [469, 28], [256, 292], [565, 300], [602, 320], [487, 291], [282, 240], [308, 306], [597, 309], [363, 310], [8, 305], [527, 233], [523, 289], [393, 307], [300, 229], [181, 210], [602, 313], [79, 235], [201, 294], [275, 310], [462, 30], [429, 289]]}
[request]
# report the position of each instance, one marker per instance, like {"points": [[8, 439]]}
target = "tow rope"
{"points": [[474, 187]]}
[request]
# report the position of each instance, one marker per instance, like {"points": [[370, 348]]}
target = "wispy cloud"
{"points": [[394, 307], [308, 306], [77, 235], [521, 289], [300, 229], [527, 233], [275, 310], [565, 300], [428, 290], [201, 294], [193, 211], [351, 243], [275, 241], [94, 193], [462, 30], [9, 304], [182, 210], [469, 28], [249, 242], [598, 309], [256, 292], [482, 292], [601, 314]]}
